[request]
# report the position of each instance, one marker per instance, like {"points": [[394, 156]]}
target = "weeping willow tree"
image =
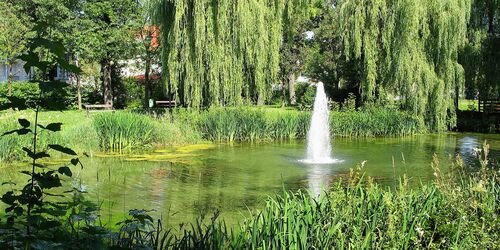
{"points": [[408, 48], [222, 52], [481, 55]]}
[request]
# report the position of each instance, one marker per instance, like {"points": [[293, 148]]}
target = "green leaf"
{"points": [[52, 127], [52, 86], [23, 122], [38, 155], [69, 67], [65, 171], [22, 131], [56, 47], [10, 132], [62, 149], [32, 60], [75, 161], [9, 198], [41, 155], [18, 211], [29, 152]]}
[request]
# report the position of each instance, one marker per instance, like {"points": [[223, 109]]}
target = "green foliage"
{"points": [[480, 55], [305, 95], [223, 52], [30, 92], [30, 214], [426, 38], [253, 124], [105, 26], [349, 103], [14, 32], [123, 130], [375, 122]]}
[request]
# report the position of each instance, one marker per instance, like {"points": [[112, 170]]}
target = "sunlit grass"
{"points": [[467, 105]]}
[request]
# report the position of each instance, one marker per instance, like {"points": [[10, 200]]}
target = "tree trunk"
{"points": [[78, 87], [9, 79], [106, 82], [291, 88], [491, 17], [147, 83], [79, 92]]}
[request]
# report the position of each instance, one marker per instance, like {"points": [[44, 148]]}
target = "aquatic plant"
{"points": [[260, 124], [122, 130]]}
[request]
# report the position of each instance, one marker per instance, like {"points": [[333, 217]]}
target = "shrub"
{"points": [[349, 103], [375, 122], [29, 91]]}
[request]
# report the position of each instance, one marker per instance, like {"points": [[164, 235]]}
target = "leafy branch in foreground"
{"points": [[33, 213]]}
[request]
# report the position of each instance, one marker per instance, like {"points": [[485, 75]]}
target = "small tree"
{"points": [[28, 206]]}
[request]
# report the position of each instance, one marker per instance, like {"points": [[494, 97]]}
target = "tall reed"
{"points": [[122, 130], [257, 124]]}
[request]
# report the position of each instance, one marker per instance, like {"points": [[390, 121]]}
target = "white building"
{"points": [[19, 74], [17, 70]]}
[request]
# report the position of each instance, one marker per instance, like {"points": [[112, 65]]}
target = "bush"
{"points": [[349, 103], [375, 122], [30, 91]]}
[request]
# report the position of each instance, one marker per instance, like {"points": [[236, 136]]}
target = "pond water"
{"points": [[183, 183]]}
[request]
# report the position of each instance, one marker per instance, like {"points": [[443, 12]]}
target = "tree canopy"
{"points": [[223, 52], [407, 48]]}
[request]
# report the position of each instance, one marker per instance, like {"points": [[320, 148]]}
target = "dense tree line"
{"points": [[419, 55], [93, 32]]}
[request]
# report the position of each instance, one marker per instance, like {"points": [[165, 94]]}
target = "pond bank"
{"points": [[125, 131]]}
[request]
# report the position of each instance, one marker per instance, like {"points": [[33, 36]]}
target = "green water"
{"points": [[236, 179]]}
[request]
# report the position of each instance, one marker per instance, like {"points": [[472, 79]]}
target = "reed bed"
{"points": [[123, 130], [254, 124]]}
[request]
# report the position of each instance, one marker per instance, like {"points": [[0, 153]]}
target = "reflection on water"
{"points": [[236, 179], [318, 178]]}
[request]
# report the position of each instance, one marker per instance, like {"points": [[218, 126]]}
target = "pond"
{"points": [[182, 183]]}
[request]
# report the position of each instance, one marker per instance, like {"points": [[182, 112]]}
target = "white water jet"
{"points": [[319, 149]]}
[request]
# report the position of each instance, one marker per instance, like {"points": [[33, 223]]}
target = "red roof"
{"points": [[150, 31]]}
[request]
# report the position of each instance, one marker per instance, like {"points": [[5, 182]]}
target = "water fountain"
{"points": [[319, 149]]}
